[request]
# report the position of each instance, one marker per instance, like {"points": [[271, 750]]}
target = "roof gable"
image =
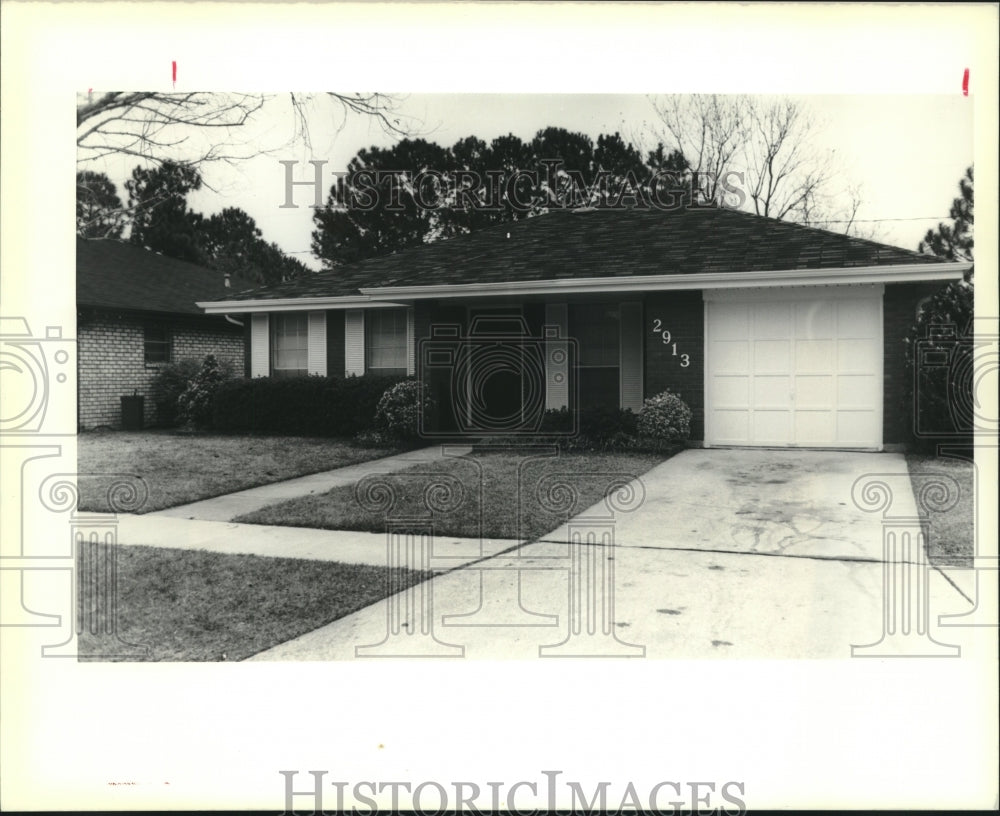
{"points": [[117, 275]]}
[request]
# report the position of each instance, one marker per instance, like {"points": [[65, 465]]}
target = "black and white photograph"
{"points": [[456, 444]]}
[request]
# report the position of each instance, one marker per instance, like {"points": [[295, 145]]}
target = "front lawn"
{"points": [[951, 539], [477, 493], [195, 605], [180, 467]]}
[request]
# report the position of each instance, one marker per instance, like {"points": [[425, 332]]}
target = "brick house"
{"points": [[136, 312], [775, 334]]}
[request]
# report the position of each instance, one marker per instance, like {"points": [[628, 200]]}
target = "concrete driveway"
{"points": [[719, 554]]}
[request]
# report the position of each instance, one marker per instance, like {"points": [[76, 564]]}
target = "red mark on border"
{"points": [[173, 67], [965, 83]]}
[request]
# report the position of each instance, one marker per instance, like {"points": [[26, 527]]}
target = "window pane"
{"points": [[156, 344], [385, 340], [290, 342]]}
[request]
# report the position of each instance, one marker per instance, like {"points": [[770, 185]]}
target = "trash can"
{"points": [[132, 408]]}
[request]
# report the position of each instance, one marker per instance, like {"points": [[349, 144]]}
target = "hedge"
{"points": [[303, 406]]}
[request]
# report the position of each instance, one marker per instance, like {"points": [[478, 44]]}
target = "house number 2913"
{"points": [[665, 334]]}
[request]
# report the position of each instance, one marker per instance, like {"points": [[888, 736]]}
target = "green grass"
{"points": [[951, 539], [200, 606], [180, 467], [489, 499]]}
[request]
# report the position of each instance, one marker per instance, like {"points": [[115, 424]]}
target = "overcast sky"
{"points": [[907, 151]]}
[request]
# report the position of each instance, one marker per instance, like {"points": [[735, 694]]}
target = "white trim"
{"points": [[411, 344], [316, 343], [296, 304], [260, 346], [705, 280], [374, 297], [354, 343], [787, 293]]}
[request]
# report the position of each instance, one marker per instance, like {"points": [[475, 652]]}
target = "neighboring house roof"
{"points": [[113, 274], [587, 244]]}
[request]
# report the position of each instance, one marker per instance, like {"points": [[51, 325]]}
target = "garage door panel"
{"points": [[731, 356], [770, 356], [855, 355], [857, 391], [815, 355], [795, 370], [772, 427], [855, 428], [731, 427], [772, 392], [730, 321], [772, 321], [815, 428], [732, 392], [815, 391], [816, 320], [857, 318]]}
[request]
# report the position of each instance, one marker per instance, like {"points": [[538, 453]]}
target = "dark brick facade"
{"points": [[111, 362], [899, 311], [683, 315]]}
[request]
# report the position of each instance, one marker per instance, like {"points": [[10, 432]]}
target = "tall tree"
{"points": [[426, 192], [99, 211], [197, 128], [161, 219], [955, 242], [772, 143], [232, 242]]}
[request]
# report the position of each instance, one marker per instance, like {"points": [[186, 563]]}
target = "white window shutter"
{"points": [[354, 342], [557, 357], [316, 348], [411, 345], [631, 355], [260, 351]]}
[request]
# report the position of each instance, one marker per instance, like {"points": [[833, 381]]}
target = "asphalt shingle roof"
{"points": [[117, 275], [602, 243]]}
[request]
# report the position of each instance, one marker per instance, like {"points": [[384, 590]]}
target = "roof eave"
{"points": [[900, 273], [295, 304]]}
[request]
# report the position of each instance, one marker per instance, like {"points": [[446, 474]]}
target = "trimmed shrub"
{"points": [[170, 382], [400, 408], [300, 406], [194, 406], [665, 417]]}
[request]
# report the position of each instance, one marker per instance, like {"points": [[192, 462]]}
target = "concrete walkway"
{"points": [[730, 554], [228, 507], [346, 546]]}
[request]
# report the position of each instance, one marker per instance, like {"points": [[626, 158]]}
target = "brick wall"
{"points": [[683, 315], [111, 361], [899, 310]]}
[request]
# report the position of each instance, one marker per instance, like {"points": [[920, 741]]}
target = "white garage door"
{"points": [[795, 368]]}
